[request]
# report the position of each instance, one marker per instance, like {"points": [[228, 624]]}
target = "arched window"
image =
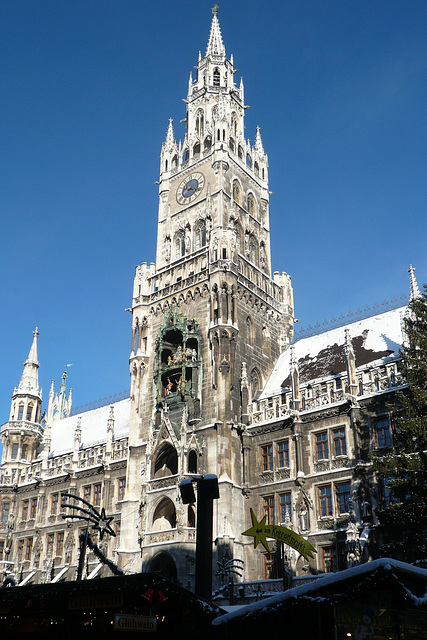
{"points": [[265, 341], [175, 161], [251, 204], [240, 152], [231, 145], [252, 249], [166, 165], [208, 143], [248, 160], [191, 516], [236, 192], [192, 462], [234, 124], [249, 331], [164, 516], [29, 411], [196, 149], [223, 134], [166, 462], [200, 123], [216, 77], [179, 245], [256, 168], [201, 235], [185, 156], [20, 411]]}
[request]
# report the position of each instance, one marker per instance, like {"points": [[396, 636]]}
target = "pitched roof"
{"points": [[374, 339], [93, 425]]}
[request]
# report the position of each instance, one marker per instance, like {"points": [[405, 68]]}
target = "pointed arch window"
{"points": [[216, 77], [191, 517], [201, 235], [248, 160], [185, 156], [200, 123], [234, 124], [251, 204], [252, 249], [231, 145], [196, 149], [175, 161], [164, 516], [249, 331], [256, 168], [208, 143], [29, 412], [179, 245], [20, 411], [240, 152], [192, 462], [236, 192]]}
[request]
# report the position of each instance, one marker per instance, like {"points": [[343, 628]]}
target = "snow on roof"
{"points": [[93, 425], [323, 355], [327, 581]]}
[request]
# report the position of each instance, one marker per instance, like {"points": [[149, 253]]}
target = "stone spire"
{"points": [[170, 141], [215, 45], [30, 381], [258, 143], [415, 292]]}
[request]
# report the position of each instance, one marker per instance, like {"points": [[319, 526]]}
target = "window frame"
{"points": [[285, 505], [267, 457], [383, 431], [283, 454], [24, 509], [33, 508], [345, 495], [97, 494], [339, 440], [268, 505], [325, 501], [322, 445], [121, 488]]}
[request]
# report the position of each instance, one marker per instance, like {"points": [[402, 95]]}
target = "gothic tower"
{"points": [[23, 433], [209, 319]]}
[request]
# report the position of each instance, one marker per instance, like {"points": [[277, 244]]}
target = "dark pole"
{"points": [[203, 586], [207, 492], [82, 554]]}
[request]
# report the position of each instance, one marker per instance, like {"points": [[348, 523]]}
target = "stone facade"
{"points": [[216, 387]]}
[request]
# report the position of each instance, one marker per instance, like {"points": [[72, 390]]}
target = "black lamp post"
{"points": [[207, 492]]}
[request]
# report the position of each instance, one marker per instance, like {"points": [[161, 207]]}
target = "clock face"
{"points": [[190, 188]]}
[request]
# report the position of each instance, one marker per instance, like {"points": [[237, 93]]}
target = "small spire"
{"points": [[258, 143], [190, 85], [170, 141], [29, 381], [215, 45], [415, 292], [242, 91]]}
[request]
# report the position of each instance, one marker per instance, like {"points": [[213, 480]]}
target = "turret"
{"points": [[22, 434]]}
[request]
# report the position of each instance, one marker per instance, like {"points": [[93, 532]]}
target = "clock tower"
{"points": [[209, 321]]}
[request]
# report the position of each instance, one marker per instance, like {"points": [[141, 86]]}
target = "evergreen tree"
{"points": [[403, 522]]}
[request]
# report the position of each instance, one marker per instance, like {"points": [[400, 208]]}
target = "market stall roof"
{"points": [[412, 579]]}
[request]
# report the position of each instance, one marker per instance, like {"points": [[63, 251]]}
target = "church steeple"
{"points": [[215, 45]]}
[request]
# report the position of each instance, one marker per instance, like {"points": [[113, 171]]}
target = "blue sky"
{"points": [[338, 89]]}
